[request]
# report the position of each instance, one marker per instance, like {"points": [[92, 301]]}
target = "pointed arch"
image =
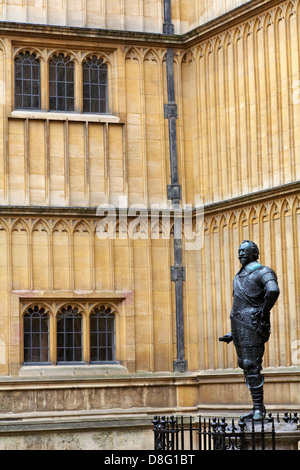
{"points": [[243, 218], [39, 54], [2, 46], [257, 25], [61, 226], [274, 210], [247, 29], [296, 205], [20, 226], [82, 227], [73, 56], [279, 14], [40, 226], [133, 53], [209, 47], [138, 229], [286, 209], [161, 229], [151, 55], [188, 57], [223, 222], [213, 225], [253, 216], [264, 213], [237, 34], [98, 55], [3, 226], [69, 307], [290, 9], [232, 221], [227, 39]]}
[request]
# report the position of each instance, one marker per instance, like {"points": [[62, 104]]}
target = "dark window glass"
{"points": [[95, 97], [69, 335], [36, 335], [102, 335], [61, 84], [27, 82]]}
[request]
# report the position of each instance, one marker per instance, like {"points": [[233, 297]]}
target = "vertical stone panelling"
{"points": [[56, 11], [103, 259], [57, 149], [82, 261], [95, 13], [41, 262], [142, 303], [36, 163], [248, 104], [20, 258], [114, 14], [200, 12], [5, 280], [115, 153], [77, 169], [154, 127], [17, 171], [61, 261], [134, 15], [189, 124], [3, 146], [135, 128], [122, 259], [161, 301], [96, 155], [292, 82], [66, 163], [295, 275]]}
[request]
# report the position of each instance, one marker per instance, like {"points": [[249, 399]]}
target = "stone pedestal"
{"points": [[278, 436]]}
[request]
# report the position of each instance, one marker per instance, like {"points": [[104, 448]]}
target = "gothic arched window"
{"points": [[95, 96], [102, 335], [61, 84], [27, 81], [69, 335], [36, 335]]}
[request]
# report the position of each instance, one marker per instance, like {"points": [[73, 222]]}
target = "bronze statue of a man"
{"points": [[255, 291]]}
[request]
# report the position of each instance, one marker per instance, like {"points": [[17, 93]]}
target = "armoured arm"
{"points": [[269, 281]]}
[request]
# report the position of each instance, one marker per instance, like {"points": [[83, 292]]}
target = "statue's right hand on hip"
{"points": [[226, 338]]}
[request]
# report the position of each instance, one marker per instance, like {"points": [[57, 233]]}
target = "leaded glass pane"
{"points": [[69, 335], [95, 86], [27, 82], [36, 335], [61, 84], [102, 335]]}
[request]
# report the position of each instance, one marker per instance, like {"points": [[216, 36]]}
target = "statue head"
{"points": [[248, 252]]}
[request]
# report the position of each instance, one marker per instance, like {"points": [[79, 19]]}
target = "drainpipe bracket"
{"points": [[168, 28], [170, 111], [174, 191], [177, 273]]}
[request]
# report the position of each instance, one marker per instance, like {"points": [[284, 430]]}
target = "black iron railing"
{"points": [[181, 433]]}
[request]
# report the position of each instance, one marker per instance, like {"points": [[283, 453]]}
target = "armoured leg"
{"points": [[255, 385], [250, 350]]}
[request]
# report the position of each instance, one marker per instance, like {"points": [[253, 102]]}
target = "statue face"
{"points": [[245, 254]]}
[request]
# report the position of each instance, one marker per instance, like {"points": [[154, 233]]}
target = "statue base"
{"points": [[286, 435]]}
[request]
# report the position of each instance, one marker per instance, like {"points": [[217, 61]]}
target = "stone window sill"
{"points": [[75, 370], [61, 116]]}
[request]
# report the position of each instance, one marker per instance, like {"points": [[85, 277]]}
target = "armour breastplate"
{"points": [[248, 289]]}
